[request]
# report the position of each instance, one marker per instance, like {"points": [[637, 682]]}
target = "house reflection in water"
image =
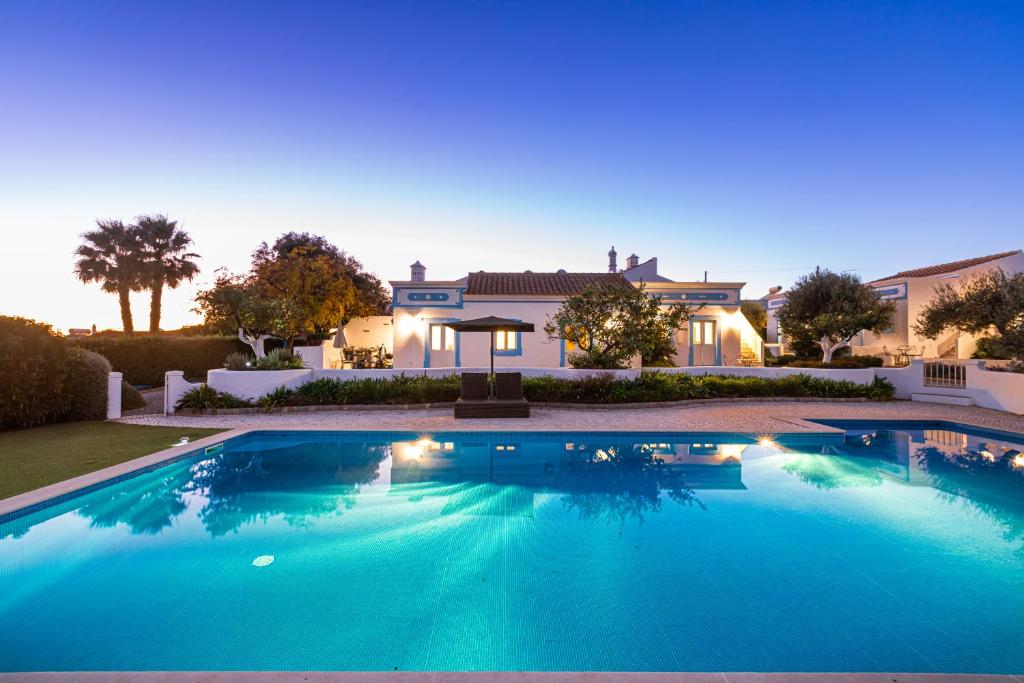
{"points": [[602, 478]]}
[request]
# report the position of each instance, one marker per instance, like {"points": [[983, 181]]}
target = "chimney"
{"points": [[419, 272], [632, 262], [612, 266]]}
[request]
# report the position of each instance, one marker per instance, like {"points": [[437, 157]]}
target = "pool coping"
{"points": [[498, 676]]}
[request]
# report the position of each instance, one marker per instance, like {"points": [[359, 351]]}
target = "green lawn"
{"points": [[30, 458]]}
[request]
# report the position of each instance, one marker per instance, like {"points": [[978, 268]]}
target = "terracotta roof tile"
{"points": [[540, 284], [944, 268]]}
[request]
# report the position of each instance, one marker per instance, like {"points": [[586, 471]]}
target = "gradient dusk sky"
{"points": [[753, 140]]}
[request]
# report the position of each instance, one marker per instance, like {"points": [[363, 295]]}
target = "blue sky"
{"points": [[754, 140]]}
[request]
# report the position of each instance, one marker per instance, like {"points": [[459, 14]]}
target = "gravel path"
{"points": [[763, 417]]}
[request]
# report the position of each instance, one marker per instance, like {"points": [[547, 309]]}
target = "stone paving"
{"points": [[768, 417]]}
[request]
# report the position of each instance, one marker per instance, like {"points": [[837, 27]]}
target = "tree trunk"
{"points": [[154, 307], [828, 348], [126, 311], [255, 342]]}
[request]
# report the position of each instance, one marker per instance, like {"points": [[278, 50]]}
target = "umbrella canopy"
{"points": [[490, 324]]}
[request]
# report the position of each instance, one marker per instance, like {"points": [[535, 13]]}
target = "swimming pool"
{"points": [[896, 547]]}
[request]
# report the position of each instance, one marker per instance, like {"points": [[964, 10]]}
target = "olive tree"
{"points": [[830, 308], [611, 325], [989, 302]]}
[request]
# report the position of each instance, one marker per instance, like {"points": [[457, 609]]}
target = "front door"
{"points": [[441, 341], [704, 341]]}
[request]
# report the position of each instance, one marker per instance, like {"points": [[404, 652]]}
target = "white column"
{"points": [[114, 395], [174, 386]]}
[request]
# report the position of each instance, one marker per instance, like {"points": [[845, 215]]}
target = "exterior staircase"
{"points": [[947, 348], [747, 349]]}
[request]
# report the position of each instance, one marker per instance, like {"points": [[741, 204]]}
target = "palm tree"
{"points": [[165, 261], [111, 256]]}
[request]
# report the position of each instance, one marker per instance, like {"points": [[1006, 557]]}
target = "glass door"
{"points": [[704, 341], [442, 346]]}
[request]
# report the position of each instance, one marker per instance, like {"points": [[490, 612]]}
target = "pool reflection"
{"points": [[300, 477]]}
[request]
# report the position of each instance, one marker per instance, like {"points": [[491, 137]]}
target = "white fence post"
{"points": [[174, 386], [114, 395]]}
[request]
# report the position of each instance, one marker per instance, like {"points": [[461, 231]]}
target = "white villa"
{"points": [[717, 334], [911, 290]]}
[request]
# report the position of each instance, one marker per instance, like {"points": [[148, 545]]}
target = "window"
{"points": [[505, 340], [442, 338]]}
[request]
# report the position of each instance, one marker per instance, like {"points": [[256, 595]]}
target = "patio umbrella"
{"points": [[490, 324]]}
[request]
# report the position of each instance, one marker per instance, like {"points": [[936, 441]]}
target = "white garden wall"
{"points": [[986, 388]]}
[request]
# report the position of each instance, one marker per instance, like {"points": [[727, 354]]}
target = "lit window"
{"points": [[505, 340], [441, 338]]}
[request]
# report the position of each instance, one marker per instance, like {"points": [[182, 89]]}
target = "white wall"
{"points": [[253, 384], [987, 388]]}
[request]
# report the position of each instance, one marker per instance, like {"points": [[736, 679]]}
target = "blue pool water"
{"points": [[887, 550]]}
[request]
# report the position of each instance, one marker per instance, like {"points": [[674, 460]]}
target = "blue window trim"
{"points": [[426, 340], [438, 303], [519, 344], [718, 337]]}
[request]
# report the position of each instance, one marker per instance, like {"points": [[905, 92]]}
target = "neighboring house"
{"points": [[911, 290], [716, 335]]}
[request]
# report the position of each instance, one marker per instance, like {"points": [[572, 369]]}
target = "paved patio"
{"points": [[767, 417]]}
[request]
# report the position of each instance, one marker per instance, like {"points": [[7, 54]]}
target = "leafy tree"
{"points": [[611, 325], [301, 286], [831, 308], [165, 261], [756, 315], [989, 301], [235, 304], [370, 297], [111, 255]]}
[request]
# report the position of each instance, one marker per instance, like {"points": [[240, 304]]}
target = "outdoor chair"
{"points": [[508, 401], [508, 386], [474, 386]]}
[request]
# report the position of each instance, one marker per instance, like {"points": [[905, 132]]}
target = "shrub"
{"points": [[131, 399], [278, 359], [991, 348], [145, 359], [205, 397], [33, 361], [276, 398], [86, 386], [237, 360]]}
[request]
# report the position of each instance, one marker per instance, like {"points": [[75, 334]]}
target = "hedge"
{"points": [[44, 379], [86, 387], [145, 359], [648, 387], [33, 361]]}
